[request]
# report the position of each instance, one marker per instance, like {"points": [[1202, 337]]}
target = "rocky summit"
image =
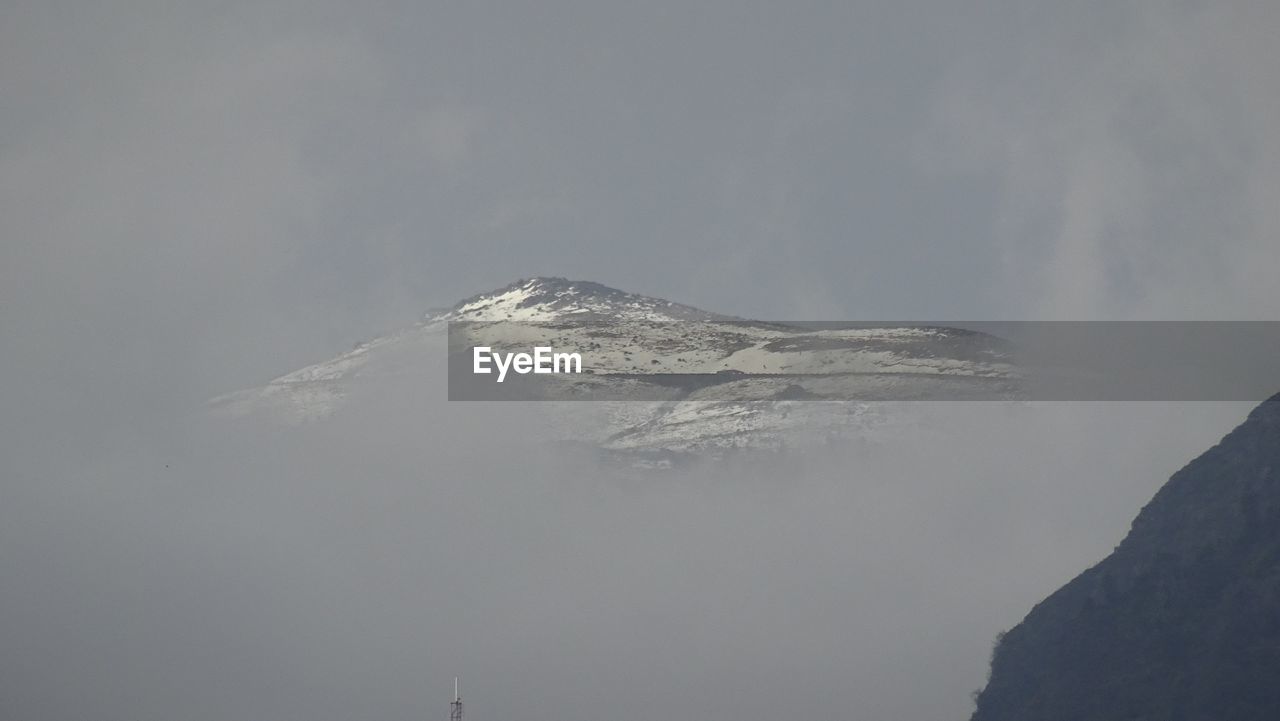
{"points": [[709, 382]]}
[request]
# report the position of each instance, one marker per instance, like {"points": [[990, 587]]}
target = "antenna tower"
{"points": [[455, 708]]}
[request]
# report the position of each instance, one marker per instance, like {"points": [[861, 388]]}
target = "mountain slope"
{"points": [[1181, 621], [552, 299], [709, 382]]}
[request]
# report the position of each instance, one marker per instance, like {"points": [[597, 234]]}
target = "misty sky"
{"points": [[198, 197]]}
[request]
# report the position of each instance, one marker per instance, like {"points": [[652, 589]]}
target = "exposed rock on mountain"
{"points": [[551, 299], [714, 382]]}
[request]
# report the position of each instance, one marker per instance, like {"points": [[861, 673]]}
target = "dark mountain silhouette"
{"points": [[1181, 621]]}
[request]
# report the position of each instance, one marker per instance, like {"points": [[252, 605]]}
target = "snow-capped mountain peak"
{"points": [[550, 299], [713, 384]]}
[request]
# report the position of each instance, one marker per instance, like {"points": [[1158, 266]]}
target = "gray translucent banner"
{"points": [[736, 360]]}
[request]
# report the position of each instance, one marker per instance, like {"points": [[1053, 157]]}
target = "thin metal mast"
{"points": [[455, 711]]}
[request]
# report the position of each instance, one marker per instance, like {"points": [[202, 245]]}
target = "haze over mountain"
{"points": [[1181, 621], [201, 197]]}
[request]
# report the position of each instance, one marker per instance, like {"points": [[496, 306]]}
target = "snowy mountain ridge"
{"points": [[554, 299], [712, 382]]}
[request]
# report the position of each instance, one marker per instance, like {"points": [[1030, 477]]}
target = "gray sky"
{"points": [[195, 199]]}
